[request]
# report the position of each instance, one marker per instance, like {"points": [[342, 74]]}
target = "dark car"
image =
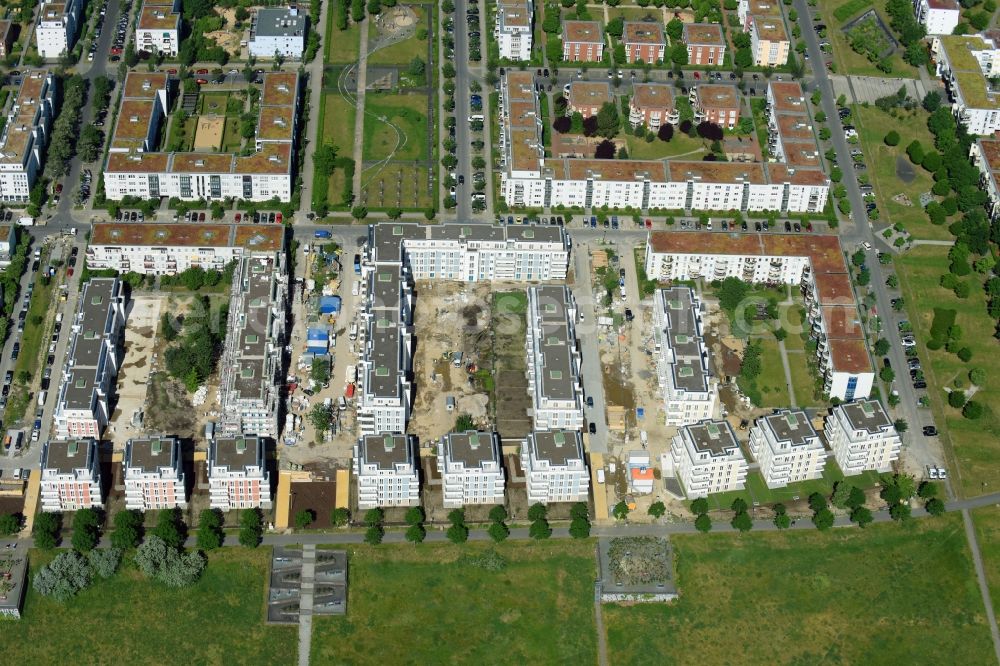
{"points": [[15, 351], [930, 431], [592, 429], [590, 401], [919, 385]]}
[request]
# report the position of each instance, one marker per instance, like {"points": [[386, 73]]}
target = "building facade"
{"points": [[514, 21], [554, 360], [386, 469], [587, 98], [690, 392], [967, 64], [57, 26], [707, 459], [769, 42], [92, 360], [159, 27], [277, 32], [237, 474], [555, 467], [26, 134], [862, 437], [787, 448], [940, 17], [71, 476], [471, 468], [716, 103], [652, 105], [706, 45], [7, 36], [154, 474], [583, 41], [644, 42]]}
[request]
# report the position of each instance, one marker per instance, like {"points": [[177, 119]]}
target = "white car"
{"points": [[932, 472]]}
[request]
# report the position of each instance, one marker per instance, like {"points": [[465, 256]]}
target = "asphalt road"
{"points": [[463, 135]]}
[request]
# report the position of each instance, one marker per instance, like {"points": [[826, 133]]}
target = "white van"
{"points": [[353, 335], [476, 116], [41, 398]]}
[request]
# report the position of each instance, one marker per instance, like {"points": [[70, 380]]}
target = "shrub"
{"points": [[64, 576], [892, 138]]}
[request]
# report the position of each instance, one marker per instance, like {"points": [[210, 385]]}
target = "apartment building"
{"points": [[521, 147], [238, 477], [787, 448], [278, 31], [706, 45], [690, 392], [583, 41], [940, 17], [747, 10], [985, 154], [769, 42], [251, 367], [706, 458], [652, 105], [154, 474], [587, 98], [814, 263], [554, 467], [137, 167], [168, 249], [862, 437], [26, 132], [554, 359], [966, 64], [71, 476], [791, 138], [386, 471], [8, 244], [644, 42], [93, 357], [471, 468], [514, 21], [716, 103], [57, 27], [8, 33], [159, 27]]}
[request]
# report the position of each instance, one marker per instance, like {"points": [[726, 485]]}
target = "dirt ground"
{"points": [[316, 496], [509, 328], [229, 38], [133, 376]]}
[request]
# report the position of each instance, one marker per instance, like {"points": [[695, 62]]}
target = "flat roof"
{"points": [[279, 22], [587, 94], [715, 438], [681, 334], [717, 95], [832, 288], [515, 13], [276, 123], [554, 341], [91, 327], [800, 154], [764, 8], [842, 322], [792, 426], [652, 96], [256, 237], [972, 83], [138, 162], [643, 32], [849, 355], [588, 32], [65, 456], [716, 172], [280, 89], [990, 149], [558, 447], [150, 454], [795, 127], [943, 4], [386, 451], [25, 113], [770, 29], [796, 175], [158, 18], [134, 118], [611, 170], [144, 85], [703, 33], [471, 448], [787, 97], [237, 452], [866, 415]]}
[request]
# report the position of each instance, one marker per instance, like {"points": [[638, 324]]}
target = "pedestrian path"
{"points": [[306, 602]]}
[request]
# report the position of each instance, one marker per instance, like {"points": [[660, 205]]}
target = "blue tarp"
{"points": [[317, 338], [329, 305]]}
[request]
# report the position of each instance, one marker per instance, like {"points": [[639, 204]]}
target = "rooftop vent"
{"points": [[157, 447], [389, 442], [559, 438], [713, 431], [241, 445], [73, 448]]}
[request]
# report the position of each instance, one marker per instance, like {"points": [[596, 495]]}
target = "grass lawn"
{"points": [[757, 491], [873, 125], [771, 381], [232, 140], [342, 45], [680, 144], [888, 594], [628, 13], [846, 59], [987, 520], [184, 133], [803, 379], [337, 119], [231, 594], [973, 446], [397, 186], [215, 103], [401, 53], [419, 605], [409, 114]]}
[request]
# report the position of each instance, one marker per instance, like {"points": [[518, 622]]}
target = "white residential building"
{"points": [[791, 139], [154, 474], [92, 360], [386, 468], [159, 27], [251, 382], [985, 154], [690, 392], [237, 474], [769, 42], [707, 459], [135, 166], [553, 359], [555, 467], [786, 446], [71, 476], [813, 262], [57, 27], [514, 20], [940, 17], [278, 31], [167, 249], [967, 64], [862, 437], [471, 468], [26, 134]]}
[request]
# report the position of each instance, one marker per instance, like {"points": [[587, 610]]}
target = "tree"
{"points": [[932, 101], [160, 561], [956, 398], [579, 528], [415, 515], [605, 150], [540, 529], [498, 514], [739, 505], [703, 523], [374, 535], [9, 523], [537, 511], [105, 561], [817, 502], [620, 512], [675, 28], [321, 417], [679, 54], [458, 533], [915, 151], [128, 529], [562, 124], [934, 506], [359, 212], [823, 519], [699, 506], [63, 577], [861, 516], [973, 410], [881, 347], [46, 530], [416, 533], [901, 425], [251, 528], [657, 509], [892, 138], [887, 375], [304, 518], [711, 131], [742, 522], [374, 516], [340, 516], [498, 531], [169, 527], [841, 494], [900, 512], [85, 530], [417, 66], [666, 132], [210, 534], [781, 518]]}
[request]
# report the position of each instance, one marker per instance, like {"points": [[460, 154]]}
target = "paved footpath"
{"points": [[359, 112], [306, 585]]}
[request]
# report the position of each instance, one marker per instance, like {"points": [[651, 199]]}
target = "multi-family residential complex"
{"points": [[706, 45], [514, 21], [791, 138], [587, 98], [7, 29], [583, 41], [985, 155], [747, 10], [57, 26], [862, 437], [967, 63], [154, 474], [137, 167], [92, 360], [815, 263], [251, 366], [471, 468], [159, 27], [769, 41], [276, 32], [237, 473], [716, 103], [690, 392], [652, 105], [706, 458], [554, 359], [555, 467], [787, 448], [644, 41], [25, 134], [71, 475], [531, 180], [940, 17], [8, 244], [386, 469]]}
